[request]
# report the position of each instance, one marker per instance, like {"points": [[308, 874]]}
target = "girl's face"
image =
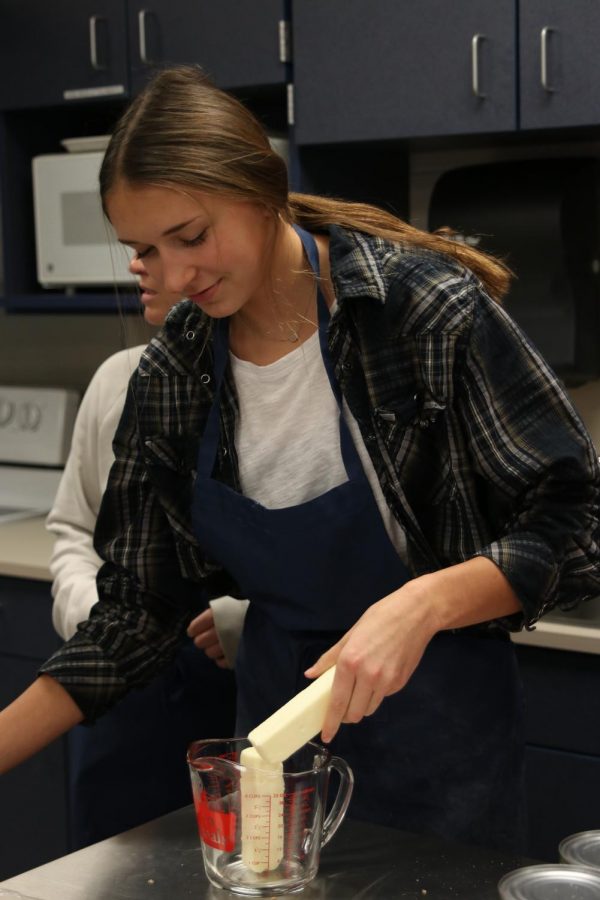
{"points": [[155, 301], [195, 245]]}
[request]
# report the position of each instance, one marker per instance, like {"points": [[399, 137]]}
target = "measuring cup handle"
{"points": [[342, 799]]}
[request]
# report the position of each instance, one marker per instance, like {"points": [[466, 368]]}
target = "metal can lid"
{"points": [[550, 882], [581, 849]]}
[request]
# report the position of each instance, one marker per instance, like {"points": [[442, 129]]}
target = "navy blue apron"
{"points": [[443, 755]]}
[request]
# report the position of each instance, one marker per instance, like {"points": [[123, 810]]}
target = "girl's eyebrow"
{"points": [[175, 228], [171, 230]]}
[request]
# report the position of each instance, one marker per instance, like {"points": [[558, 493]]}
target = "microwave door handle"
{"points": [[94, 60]]}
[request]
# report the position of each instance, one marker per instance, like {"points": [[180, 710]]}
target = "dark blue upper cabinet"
{"points": [[235, 41], [61, 51], [379, 69], [560, 63]]}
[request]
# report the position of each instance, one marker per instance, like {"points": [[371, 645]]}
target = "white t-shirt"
{"points": [[288, 439]]}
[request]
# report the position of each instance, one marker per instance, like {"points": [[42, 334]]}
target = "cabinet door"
{"points": [[558, 686], [563, 797], [33, 800], [61, 51], [26, 628], [235, 41], [370, 69], [559, 63]]}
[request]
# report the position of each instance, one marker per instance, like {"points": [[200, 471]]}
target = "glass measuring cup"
{"points": [[297, 813]]}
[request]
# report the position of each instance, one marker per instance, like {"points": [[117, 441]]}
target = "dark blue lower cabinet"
{"points": [[563, 792], [563, 745], [33, 797]]}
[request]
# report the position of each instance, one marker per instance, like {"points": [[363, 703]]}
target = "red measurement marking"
{"points": [[297, 808], [217, 829]]}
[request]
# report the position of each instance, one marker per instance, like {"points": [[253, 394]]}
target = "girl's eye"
{"points": [[195, 240], [140, 254]]}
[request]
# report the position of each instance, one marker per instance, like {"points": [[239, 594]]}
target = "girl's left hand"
{"points": [[377, 656]]}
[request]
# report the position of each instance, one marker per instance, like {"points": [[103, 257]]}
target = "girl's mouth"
{"points": [[206, 295]]}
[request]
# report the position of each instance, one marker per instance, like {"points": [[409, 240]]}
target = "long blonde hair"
{"points": [[183, 131]]}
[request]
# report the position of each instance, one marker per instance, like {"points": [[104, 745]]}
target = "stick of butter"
{"points": [[261, 789], [295, 723]]}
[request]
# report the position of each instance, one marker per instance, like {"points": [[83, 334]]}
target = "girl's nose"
{"points": [[176, 279], [136, 266]]}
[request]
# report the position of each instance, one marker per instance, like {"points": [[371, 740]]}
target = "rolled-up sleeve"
{"points": [[528, 443], [145, 603]]}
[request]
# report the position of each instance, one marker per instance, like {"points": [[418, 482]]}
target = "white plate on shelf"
{"points": [[86, 144]]}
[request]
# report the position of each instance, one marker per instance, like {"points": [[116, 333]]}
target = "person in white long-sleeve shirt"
{"points": [[74, 562], [115, 784]]}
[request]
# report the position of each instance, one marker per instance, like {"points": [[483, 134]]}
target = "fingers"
{"points": [[341, 692], [363, 702], [375, 702], [222, 663], [209, 643], [213, 649], [326, 661], [360, 703], [201, 623], [354, 695], [204, 635]]}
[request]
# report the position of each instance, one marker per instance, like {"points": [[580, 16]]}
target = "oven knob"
{"points": [[30, 416], [7, 411]]}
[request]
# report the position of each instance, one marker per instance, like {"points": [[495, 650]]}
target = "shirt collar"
{"points": [[357, 264]]}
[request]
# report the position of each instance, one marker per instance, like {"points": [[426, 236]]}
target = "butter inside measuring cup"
{"points": [[262, 783]]}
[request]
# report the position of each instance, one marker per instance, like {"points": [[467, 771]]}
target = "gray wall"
{"points": [[63, 350]]}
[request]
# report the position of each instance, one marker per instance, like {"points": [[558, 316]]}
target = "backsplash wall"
{"points": [[63, 350]]}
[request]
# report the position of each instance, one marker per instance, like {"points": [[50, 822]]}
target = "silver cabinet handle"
{"points": [[544, 35], [142, 37], [96, 64], [476, 42]]}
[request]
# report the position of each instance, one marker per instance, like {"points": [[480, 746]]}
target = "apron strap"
{"points": [[350, 457]]}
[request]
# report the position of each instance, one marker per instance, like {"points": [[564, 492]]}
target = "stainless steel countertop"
{"points": [[162, 860]]}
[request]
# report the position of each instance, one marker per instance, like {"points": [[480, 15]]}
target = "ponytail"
{"points": [[316, 213]]}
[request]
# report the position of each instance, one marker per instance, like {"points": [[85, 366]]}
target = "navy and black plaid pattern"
{"points": [[476, 446]]}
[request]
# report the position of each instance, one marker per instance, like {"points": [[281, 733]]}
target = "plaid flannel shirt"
{"points": [[476, 446]]}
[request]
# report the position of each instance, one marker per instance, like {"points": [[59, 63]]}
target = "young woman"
{"points": [[343, 425]]}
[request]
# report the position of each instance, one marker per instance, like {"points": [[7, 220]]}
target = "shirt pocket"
{"points": [[410, 410], [415, 434]]}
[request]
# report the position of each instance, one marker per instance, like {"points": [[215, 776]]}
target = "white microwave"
{"points": [[75, 243]]}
